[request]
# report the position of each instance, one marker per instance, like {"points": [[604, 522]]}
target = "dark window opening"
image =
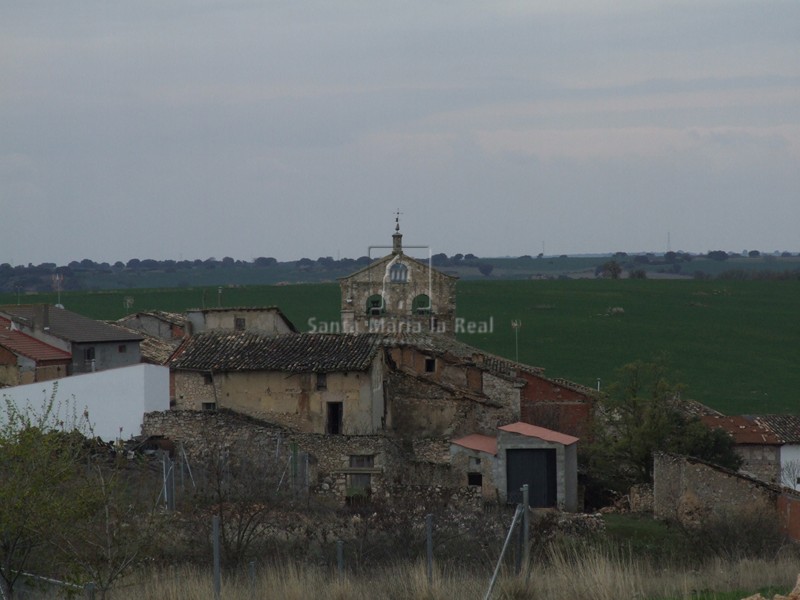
{"points": [[239, 324], [122, 348], [421, 305], [334, 422], [322, 381], [359, 485], [375, 305], [475, 479], [208, 379], [209, 406], [430, 365], [88, 353]]}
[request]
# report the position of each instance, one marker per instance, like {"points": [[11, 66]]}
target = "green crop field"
{"points": [[734, 344]]}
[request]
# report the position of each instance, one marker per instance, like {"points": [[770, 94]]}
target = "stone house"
{"points": [[768, 444], [24, 359], [156, 323], [311, 383], [269, 320], [93, 345], [396, 294]]}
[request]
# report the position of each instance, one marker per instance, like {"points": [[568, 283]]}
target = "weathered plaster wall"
{"points": [[290, 399]]}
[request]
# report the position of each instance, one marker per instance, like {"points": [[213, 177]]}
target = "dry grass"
{"points": [[568, 576]]}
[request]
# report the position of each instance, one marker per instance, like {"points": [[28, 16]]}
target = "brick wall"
{"points": [[547, 404]]}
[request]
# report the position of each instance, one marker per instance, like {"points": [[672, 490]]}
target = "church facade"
{"points": [[398, 294]]}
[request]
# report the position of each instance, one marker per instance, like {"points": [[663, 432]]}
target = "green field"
{"points": [[735, 344]]}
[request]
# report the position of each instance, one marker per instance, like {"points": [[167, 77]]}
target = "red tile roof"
{"points": [[743, 430], [547, 435], [29, 347], [476, 441]]}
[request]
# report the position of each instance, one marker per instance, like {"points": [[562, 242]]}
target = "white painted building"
{"points": [[115, 400]]}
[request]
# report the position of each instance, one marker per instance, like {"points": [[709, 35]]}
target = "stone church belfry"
{"points": [[398, 294]]}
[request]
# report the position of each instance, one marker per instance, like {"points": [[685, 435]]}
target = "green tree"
{"points": [[643, 413], [611, 269], [39, 457]]}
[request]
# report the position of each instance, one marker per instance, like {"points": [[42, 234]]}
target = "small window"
{"points": [[208, 379], [474, 463], [209, 406], [398, 273], [88, 353], [122, 348], [239, 324], [375, 306], [359, 485], [430, 365], [322, 381], [475, 479]]}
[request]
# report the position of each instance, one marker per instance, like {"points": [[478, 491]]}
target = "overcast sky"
{"points": [[199, 128]]}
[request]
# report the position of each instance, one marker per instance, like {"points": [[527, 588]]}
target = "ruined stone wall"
{"points": [[394, 463], [190, 390], [688, 490], [503, 392], [423, 409]]}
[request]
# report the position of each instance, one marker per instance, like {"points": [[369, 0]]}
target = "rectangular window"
{"points": [[430, 365], [333, 425], [88, 353], [359, 485], [208, 379], [322, 381], [209, 406], [239, 324], [122, 348], [475, 479]]}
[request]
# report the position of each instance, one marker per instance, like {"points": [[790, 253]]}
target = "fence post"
{"points": [[216, 552], [340, 557], [251, 571], [429, 546], [526, 530]]}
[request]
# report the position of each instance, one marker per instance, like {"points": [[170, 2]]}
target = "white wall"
{"points": [[790, 465], [114, 399]]}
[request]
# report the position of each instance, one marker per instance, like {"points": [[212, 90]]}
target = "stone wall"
{"points": [[394, 463], [689, 490]]}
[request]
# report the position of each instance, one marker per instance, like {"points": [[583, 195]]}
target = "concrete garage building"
{"points": [[521, 454]]}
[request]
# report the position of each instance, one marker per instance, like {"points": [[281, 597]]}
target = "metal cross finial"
{"points": [[397, 220]]}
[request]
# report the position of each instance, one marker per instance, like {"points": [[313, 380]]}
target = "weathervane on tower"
{"points": [[397, 237]]}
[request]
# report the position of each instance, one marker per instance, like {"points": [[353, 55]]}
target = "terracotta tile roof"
{"points": [[68, 325], [25, 345], [439, 345], [539, 432], [786, 427], [743, 430], [296, 353], [476, 441], [153, 349]]}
